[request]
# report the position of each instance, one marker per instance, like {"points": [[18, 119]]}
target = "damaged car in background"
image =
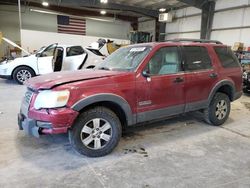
{"points": [[49, 59]]}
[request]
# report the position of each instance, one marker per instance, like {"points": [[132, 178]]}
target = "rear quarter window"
{"points": [[74, 50], [226, 57]]}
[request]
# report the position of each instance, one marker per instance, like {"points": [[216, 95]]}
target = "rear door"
{"points": [[200, 76], [161, 93], [74, 58]]}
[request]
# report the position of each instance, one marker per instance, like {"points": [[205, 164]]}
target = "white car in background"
{"points": [[50, 59]]}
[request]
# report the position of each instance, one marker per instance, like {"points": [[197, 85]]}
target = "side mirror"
{"points": [[145, 74]]}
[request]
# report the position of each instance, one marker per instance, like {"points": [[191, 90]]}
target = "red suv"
{"points": [[137, 83]]}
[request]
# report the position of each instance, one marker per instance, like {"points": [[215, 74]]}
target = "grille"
{"points": [[28, 96], [26, 103]]}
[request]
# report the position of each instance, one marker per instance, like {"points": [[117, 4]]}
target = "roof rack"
{"points": [[194, 40]]}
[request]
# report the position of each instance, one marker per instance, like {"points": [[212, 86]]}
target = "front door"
{"points": [[161, 85], [44, 60]]}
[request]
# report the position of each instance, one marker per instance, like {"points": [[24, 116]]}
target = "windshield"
{"points": [[126, 58], [49, 51], [40, 50]]}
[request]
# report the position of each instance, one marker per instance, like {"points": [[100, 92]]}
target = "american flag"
{"points": [[71, 25]]}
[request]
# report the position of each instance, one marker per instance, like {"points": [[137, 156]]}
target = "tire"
{"points": [[219, 109], [21, 74], [85, 133]]}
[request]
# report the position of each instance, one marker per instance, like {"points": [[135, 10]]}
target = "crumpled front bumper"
{"points": [[28, 125]]}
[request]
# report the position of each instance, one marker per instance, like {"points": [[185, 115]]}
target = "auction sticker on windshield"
{"points": [[139, 49]]}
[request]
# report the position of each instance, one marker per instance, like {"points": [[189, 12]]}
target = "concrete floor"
{"points": [[179, 152]]}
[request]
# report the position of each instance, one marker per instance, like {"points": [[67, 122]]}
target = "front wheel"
{"points": [[21, 74], [218, 110], [96, 132]]}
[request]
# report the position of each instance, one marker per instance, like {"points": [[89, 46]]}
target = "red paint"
{"points": [[132, 86]]}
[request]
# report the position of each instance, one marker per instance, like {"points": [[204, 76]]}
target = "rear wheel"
{"points": [[21, 74], [96, 132], [218, 110]]}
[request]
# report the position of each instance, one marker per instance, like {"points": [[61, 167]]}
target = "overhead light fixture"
{"points": [[44, 11], [104, 1], [162, 9], [45, 4], [62, 14], [103, 12]]}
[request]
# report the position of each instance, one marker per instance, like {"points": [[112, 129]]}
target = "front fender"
{"points": [[106, 97]]}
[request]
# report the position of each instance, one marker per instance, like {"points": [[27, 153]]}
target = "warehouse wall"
{"points": [[147, 25], [186, 24], [232, 25], [9, 25], [229, 26], [33, 40]]}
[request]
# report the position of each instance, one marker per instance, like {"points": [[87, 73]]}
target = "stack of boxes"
{"points": [[239, 46]]}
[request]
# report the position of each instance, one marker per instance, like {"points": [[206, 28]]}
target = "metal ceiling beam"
{"points": [[196, 3], [207, 16], [109, 6]]}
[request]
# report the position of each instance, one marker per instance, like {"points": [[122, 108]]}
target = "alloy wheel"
{"points": [[221, 109], [23, 75], [96, 133]]}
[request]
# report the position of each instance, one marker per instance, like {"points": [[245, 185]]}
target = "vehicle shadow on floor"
{"points": [[58, 148], [9, 82]]}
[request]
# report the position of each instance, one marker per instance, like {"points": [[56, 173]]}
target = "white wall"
{"points": [[9, 25], [226, 20], [34, 40], [184, 26], [229, 19]]}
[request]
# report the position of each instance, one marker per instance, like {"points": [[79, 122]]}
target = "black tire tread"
{"points": [[208, 114], [32, 72], [83, 117]]}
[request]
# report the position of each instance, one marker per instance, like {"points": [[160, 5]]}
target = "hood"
{"points": [[15, 45], [52, 80]]}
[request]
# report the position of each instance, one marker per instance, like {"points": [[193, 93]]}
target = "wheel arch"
{"points": [[22, 66], [225, 86], [114, 102]]}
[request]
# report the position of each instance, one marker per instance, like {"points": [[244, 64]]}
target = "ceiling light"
{"points": [[103, 12], [44, 3], [104, 1], [162, 9]]}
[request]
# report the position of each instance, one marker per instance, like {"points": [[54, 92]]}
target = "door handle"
{"points": [[213, 75], [178, 80]]}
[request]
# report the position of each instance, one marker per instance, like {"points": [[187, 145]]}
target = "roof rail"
{"points": [[194, 40]]}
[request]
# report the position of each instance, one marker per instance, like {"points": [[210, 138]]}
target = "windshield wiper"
{"points": [[103, 68]]}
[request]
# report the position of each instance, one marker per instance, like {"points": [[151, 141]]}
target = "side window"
{"points": [[74, 50], [165, 61], [197, 58], [48, 52], [226, 56]]}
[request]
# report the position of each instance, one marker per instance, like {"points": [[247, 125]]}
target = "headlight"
{"points": [[3, 62], [51, 99]]}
